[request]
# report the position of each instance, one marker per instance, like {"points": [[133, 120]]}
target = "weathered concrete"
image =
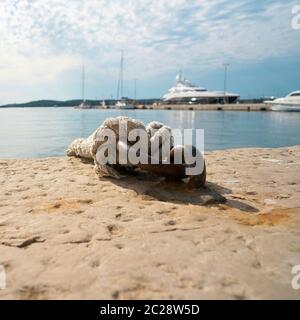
{"points": [[224, 107]]}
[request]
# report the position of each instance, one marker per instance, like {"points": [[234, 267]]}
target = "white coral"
{"points": [[87, 148]]}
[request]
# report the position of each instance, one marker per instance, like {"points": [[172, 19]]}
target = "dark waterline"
{"points": [[46, 132]]}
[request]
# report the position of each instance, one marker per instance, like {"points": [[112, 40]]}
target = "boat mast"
{"points": [[122, 71], [135, 82], [226, 65], [83, 79], [121, 74]]}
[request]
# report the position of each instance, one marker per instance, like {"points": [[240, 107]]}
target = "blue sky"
{"points": [[44, 44]]}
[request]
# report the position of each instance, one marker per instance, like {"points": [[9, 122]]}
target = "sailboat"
{"points": [[122, 103], [83, 104]]}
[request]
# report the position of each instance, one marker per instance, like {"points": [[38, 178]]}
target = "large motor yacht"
{"points": [[186, 92], [289, 103]]}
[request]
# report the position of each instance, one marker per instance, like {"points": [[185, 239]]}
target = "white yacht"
{"points": [[186, 92], [289, 103], [123, 104]]}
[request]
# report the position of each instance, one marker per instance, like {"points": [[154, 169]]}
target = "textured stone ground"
{"points": [[66, 234]]}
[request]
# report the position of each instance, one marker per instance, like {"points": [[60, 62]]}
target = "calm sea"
{"points": [[46, 132]]}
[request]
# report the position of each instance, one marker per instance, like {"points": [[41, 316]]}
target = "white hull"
{"points": [[207, 97], [289, 103], [83, 105], [123, 105], [127, 107], [290, 108]]}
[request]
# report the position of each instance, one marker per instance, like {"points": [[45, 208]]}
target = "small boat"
{"points": [[83, 105], [289, 103], [102, 105], [123, 104]]}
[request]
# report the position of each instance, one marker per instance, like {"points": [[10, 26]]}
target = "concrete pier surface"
{"points": [[224, 107], [66, 234]]}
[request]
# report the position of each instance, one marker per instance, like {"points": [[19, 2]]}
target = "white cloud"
{"points": [[34, 69], [40, 40]]}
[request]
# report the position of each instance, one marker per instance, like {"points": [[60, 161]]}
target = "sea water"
{"points": [[47, 132]]}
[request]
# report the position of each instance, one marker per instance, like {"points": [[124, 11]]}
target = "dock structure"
{"points": [[215, 107]]}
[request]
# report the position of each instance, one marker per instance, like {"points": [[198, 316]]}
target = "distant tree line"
{"points": [[77, 102], [72, 103]]}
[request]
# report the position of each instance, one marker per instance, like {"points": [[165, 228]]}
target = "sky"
{"points": [[43, 45]]}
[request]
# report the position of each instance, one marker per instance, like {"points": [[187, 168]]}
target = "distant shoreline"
{"points": [[71, 103], [139, 103]]}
